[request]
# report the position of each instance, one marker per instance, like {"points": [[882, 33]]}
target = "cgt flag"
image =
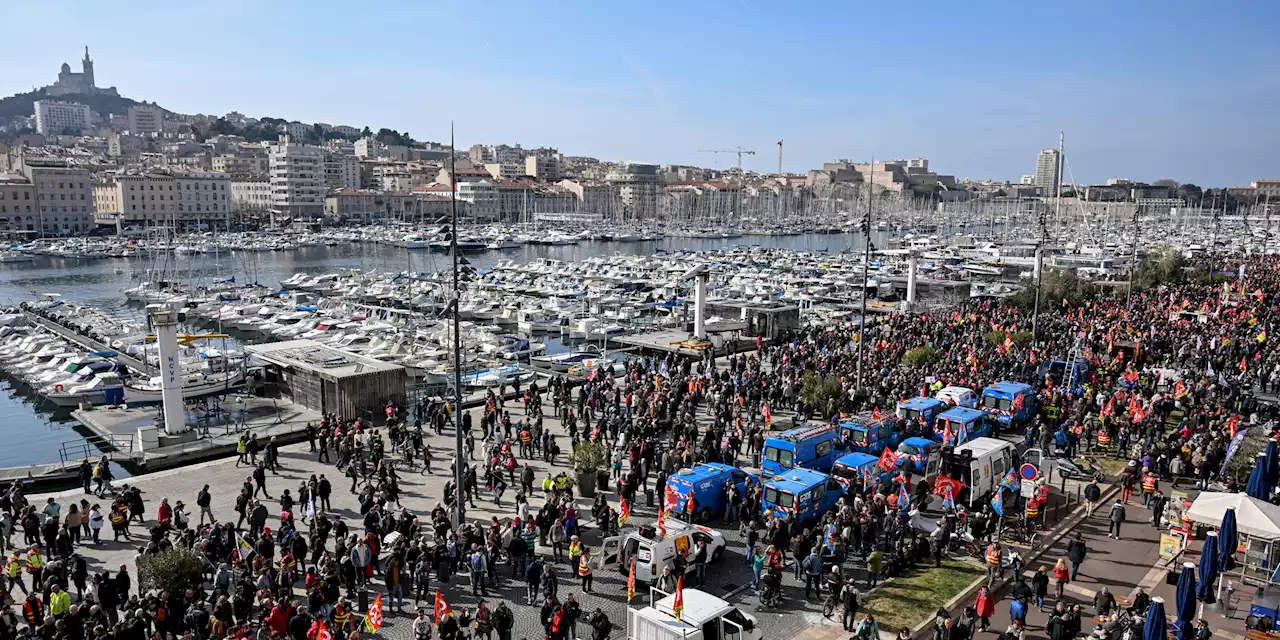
{"points": [[888, 460], [677, 607], [442, 608], [631, 581], [373, 619], [624, 512]]}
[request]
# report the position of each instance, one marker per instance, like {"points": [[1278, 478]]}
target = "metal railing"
{"points": [[95, 446]]}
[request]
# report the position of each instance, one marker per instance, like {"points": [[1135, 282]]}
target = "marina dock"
{"points": [[89, 343]]}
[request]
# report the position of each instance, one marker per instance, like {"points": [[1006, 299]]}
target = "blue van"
{"points": [[867, 434], [854, 468], [801, 494], [706, 483], [914, 454], [1056, 373], [1010, 403], [919, 409], [971, 423], [810, 447]]}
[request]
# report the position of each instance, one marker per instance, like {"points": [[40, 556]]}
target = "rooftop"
{"points": [[314, 356]]}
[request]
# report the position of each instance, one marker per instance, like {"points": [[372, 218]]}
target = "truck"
{"points": [[1055, 372], [981, 464], [964, 424], [702, 617], [1010, 403], [865, 433], [856, 468], [811, 447], [802, 494], [920, 412], [706, 483]]}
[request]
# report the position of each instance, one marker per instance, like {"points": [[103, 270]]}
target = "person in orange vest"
{"points": [[584, 570], [33, 610], [994, 570], [1149, 486], [1032, 511], [35, 567]]}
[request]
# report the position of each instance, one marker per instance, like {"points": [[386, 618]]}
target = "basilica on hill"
{"points": [[71, 83]]}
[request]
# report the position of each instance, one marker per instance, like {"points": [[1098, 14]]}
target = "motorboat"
{"points": [[104, 388], [194, 385], [563, 361]]}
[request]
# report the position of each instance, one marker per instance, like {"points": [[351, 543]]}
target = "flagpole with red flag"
{"points": [[677, 607]]}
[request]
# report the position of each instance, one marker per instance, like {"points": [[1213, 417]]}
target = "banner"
{"points": [[1231, 449], [1171, 545]]}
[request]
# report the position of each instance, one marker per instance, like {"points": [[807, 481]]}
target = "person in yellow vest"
{"points": [[548, 487], [1149, 486], [35, 566], [1032, 512], [575, 551], [59, 602], [342, 616], [994, 570], [584, 570], [13, 571], [242, 450]]}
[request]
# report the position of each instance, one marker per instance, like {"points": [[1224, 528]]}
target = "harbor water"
{"points": [[40, 430]]}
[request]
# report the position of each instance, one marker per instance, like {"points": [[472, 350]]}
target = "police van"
{"points": [[706, 483], [857, 468], [653, 552], [802, 495], [919, 455], [810, 447]]}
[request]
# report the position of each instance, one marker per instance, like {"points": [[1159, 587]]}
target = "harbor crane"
{"points": [[738, 150]]}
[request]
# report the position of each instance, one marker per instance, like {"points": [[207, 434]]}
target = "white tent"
{"points": [[1253, 517]]}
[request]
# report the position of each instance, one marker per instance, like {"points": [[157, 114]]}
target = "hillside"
{"points": [[20, 105]]}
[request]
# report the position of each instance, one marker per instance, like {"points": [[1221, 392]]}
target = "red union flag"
{"points": [[677, 607], [888, 460], [631, 581], [322, 632], [441, 609], [373, 619]]}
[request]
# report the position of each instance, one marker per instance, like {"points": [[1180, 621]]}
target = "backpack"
{"points": [[477, 563], [1092, 492]]}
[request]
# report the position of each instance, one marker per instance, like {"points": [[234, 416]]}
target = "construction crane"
{"points": [[738, 150]]}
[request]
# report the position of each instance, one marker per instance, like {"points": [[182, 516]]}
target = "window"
{"points": [[822, 449], [819, 492]]}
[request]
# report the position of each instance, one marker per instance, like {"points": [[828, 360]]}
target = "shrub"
{"points": [[587, 457], [823, 394], [995, 337], [1021, 338]]}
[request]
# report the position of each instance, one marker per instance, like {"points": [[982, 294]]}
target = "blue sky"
{"points": [[1145, 90]]}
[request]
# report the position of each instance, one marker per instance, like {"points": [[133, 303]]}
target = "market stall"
{"points": [[1258, 523]]}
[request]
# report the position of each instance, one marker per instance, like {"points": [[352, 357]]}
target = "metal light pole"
{"points": [[1133, 259], [459, 464], [866, 264], [1044, 239]]}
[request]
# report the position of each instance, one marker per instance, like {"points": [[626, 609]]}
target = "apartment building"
{"points": [[297, 179], [19, 205], [240, 165], [341, 171], [204, 200], [136, 198], [636, 187], [54, 118], [250, 196], [145, 121], [66, 196]]}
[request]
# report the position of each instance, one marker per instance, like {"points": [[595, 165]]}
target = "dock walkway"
{"points": [[90, 344]]}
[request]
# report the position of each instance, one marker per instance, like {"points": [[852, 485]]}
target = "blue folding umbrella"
{"points": [[1257, 487], [1228, 540], [1155, 628], [1208, 568], [1186, 601]]}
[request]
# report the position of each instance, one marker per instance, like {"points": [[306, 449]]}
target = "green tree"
{"points": [[824, 394], [174, 570], [921, 357]]}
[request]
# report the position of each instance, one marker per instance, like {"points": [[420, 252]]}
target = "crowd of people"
{"points": [[1166, 391]]}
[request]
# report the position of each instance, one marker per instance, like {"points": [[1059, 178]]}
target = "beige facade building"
{"points": [[241, 165], [250, 196], [55, 118], [19, 205], [136, 199], [204, 200], [636, 187], [146, 121], [592, 196], [341, 171], [66, 196]]}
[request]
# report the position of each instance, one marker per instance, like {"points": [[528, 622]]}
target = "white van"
{"points": [[958, 397], [704, 617], [992, 459], [652, 553]]}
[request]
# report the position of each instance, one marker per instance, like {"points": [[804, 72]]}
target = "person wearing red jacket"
{"points": [[985, 606]]}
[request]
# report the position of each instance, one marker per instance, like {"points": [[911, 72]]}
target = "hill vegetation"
{"points": [[21, 105]]}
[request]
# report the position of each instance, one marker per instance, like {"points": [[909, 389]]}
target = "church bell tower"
{"points": [[87, 64]]}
